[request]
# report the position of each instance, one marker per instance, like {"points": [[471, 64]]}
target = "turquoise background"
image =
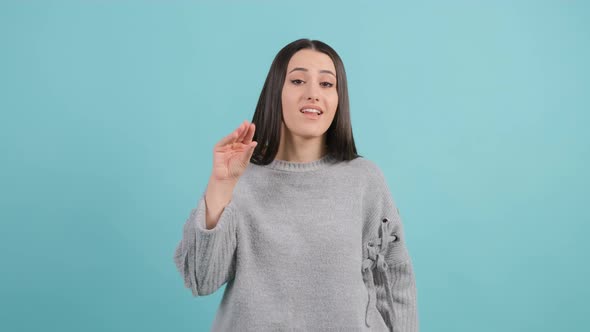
{"points": [[477, 112]]}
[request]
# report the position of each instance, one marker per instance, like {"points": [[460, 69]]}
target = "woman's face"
{"points": [[310, 82]]}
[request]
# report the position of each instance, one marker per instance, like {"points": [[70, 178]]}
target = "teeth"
{"points": [[308, 110]]}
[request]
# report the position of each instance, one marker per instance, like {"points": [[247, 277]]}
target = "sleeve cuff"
{"points": [[225, 219]]}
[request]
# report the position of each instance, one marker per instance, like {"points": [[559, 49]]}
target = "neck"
{"points": [[300, 149]]}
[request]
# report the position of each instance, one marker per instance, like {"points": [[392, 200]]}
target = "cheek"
{"points": [[289, 100], [334, 101], [287, 105], [285, 101], [285, 94]]}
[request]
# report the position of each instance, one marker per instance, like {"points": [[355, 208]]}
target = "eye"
{"points": [[327, 84], [296, 82]]}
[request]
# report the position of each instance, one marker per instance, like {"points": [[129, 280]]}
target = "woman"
{"points": [[303, 230]]}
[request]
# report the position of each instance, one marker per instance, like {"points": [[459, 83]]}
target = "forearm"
{"points": [[204, 257], [404, 296], [217, 197]]}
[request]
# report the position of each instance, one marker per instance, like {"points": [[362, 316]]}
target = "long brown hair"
{"points": [[268, 116]]}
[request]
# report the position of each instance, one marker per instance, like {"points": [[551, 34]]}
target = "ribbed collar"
{"points": [[293, 166]]}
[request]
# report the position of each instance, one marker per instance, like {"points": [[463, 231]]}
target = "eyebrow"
{"points": [[305, 69]]}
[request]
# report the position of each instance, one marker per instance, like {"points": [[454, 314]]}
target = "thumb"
{"points": [[248, 154]]}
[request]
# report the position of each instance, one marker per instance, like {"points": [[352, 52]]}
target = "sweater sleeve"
{"points": [[394, 279], [205, 257]]}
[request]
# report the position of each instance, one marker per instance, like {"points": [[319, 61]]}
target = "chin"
{"points": [[306, 131], [309, 134]]}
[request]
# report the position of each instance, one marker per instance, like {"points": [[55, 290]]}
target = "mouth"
{"points": [[311, 110], [311, 113]]}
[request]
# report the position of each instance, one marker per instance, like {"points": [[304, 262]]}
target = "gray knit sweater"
{"points": [[315, 246]]}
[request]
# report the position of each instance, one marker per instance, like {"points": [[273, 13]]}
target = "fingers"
{"points": [[243, 131], [233, 137], [227, 139], [250, 134], [248, 154]]}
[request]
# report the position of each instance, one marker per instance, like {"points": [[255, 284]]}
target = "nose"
{"points": [[312, 92]]}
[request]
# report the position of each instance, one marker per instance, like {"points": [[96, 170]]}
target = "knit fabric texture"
{"points": [[313, 246]]}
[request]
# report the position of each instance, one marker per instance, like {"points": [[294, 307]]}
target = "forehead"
{"points": [[312, 60]]}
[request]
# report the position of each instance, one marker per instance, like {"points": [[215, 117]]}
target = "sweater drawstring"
{"points": [[376, 258]]}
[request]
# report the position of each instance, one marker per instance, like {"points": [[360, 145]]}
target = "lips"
{"points": [[309, 109], [311, 115]]}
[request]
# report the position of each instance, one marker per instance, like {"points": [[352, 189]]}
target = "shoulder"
{"points": [[361, 164], [369, 169]]}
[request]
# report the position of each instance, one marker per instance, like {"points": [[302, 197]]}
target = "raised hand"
{"points": [[231, 155]]}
